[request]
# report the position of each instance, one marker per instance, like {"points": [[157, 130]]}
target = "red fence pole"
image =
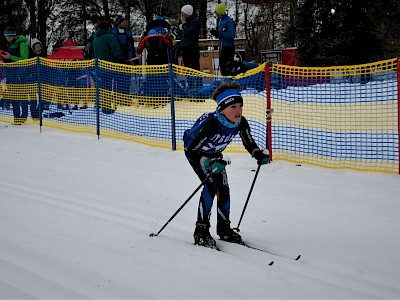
{"points": [[398, 108], [268, 111]]}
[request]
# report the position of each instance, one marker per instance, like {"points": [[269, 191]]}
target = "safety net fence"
{"points": [[335, 117]]}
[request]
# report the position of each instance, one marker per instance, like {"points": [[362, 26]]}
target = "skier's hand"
{"points": [[217, 166], [5, 54], [262, 156], [214, 165], [183, 18]]}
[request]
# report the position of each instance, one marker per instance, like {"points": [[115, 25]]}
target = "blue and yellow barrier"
{"points": [[335, 117]]}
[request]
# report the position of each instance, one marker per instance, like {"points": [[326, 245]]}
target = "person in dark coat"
{"points": [[105, 45], [188, 46], [189, 43]]}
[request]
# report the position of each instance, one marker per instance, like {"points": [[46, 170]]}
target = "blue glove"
{"points": [[214, 165], [262, 156]]}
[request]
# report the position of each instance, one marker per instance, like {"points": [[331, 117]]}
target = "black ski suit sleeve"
{"points": [[247, 138], [194, 152]]}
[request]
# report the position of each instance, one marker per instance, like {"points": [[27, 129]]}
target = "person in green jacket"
{"points": [[18, 49], [105, 44], [106, 47]]}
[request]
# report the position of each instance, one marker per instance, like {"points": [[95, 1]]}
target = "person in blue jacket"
{"points": [[125, 40], [226, 34], [203, 144]]}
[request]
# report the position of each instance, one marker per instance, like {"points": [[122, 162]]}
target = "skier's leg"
{"points": [[224, 200]]}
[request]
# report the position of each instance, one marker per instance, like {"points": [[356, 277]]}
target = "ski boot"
{"points": [[202, 236], [227, 234]]}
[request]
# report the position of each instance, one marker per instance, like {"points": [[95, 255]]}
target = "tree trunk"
{"points": [[32, 29], [203, 18]]}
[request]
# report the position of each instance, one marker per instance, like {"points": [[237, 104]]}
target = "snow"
{"points": [[76, 214]]}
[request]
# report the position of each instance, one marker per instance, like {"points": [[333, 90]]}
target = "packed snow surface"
{"points": [[76, 213]]}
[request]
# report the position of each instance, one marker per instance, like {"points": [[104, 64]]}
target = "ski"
{"points": [[254, 248], [272, 253], [218, 249], [270, 263]]}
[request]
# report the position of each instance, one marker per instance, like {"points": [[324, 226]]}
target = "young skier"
{"points": [[203, 144]]}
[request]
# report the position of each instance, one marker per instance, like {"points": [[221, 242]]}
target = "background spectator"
{"points": [[18, 49], [125, 39], [160, 25], [158, 46], [37, 49], [189, 43], [226, 34], [105, 46]]}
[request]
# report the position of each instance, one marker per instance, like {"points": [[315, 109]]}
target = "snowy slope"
{"points": [[76, 214]]}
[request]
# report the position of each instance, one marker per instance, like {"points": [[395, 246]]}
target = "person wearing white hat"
{"points": [[187, 9], [35, 51], [189, 43], [37, 48]]}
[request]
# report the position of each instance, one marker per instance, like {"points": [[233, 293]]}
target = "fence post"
{"points": [[39, 94], [268, 110], [172, 95], [96, 72]]}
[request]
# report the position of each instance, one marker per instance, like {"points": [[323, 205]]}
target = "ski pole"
{"points": [[248, 198], [180, 208]]}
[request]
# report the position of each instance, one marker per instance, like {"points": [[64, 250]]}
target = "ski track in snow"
{"points": [[79, 228]]}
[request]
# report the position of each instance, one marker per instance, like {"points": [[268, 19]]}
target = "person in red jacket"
{"points": [[159, 47]]}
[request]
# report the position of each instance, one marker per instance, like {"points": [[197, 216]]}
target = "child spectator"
{"points": [[37, 49]]}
